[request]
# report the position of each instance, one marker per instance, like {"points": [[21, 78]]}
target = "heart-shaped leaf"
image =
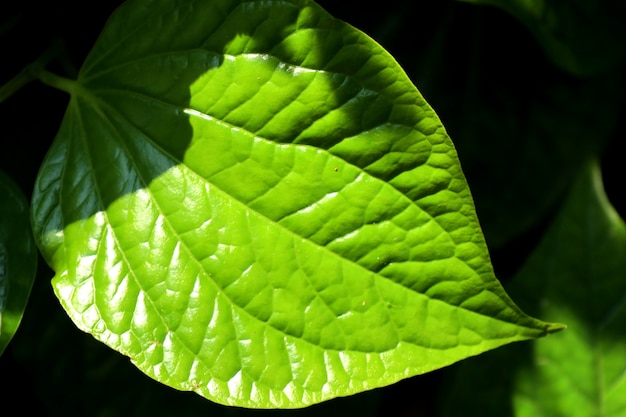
{"points": [[18, 258], [252, 201]]}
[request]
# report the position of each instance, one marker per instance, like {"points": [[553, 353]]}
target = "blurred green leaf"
{"points": [[18, 258], [253, 202], [580, 36], [576, 276]]}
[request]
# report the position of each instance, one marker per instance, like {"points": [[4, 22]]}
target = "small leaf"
{"points": [[580, 36], [576, 275], [18, 258], [252, 201]]}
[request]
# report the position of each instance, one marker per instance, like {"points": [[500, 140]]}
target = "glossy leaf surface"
{"points": [[576, 275], [18, 258], [252, 201]]}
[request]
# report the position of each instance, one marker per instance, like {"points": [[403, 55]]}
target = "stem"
{"points": [[31, 72], [17, 82], [56, 81]]}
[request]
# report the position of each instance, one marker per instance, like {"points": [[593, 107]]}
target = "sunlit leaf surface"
{"points": [[252, 201]]}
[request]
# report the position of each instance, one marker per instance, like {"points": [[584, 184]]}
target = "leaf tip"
{"points": [[554, 328]]}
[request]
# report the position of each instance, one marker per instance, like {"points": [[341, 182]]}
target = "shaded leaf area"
{"points": [[253, 202], [576, 275], [18, 258], [582, 37], [522, 127]]}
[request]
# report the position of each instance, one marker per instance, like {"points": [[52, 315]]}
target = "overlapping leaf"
{"points": [[252, 201], [18, 258], [576, 275]]}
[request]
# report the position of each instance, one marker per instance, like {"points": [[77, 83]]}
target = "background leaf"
{"points": [[582, 37], [252, 201], [18, 258], [576, 275]]}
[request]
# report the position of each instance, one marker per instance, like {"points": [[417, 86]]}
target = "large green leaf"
{"points": [[18, 258], [252, 201], [575, 275], [583, 37]]}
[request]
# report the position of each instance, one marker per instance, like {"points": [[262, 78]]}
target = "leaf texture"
{"points": [[252, 201]]}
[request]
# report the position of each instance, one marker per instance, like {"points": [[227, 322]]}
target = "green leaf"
{"points": [[66, 363], [580, 36], [576, 275], [18, 258], [252, 201]]}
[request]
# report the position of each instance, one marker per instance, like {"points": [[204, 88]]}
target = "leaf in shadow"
{"points": [[576, 276], [582, 37], [18, 258]]}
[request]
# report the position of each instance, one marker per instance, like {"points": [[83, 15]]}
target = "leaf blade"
{"points": [[226, 251]]}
